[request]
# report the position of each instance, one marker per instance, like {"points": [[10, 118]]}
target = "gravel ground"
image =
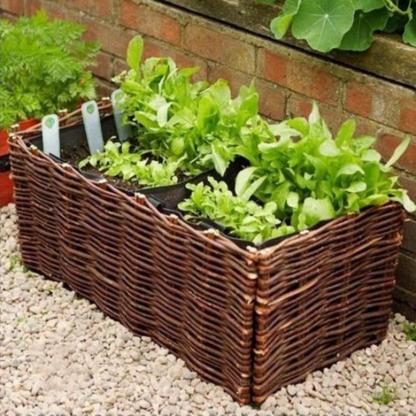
{"points": [[59, 355]]}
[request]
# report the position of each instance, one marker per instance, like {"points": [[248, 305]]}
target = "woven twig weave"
{"points": [[250, 321]]}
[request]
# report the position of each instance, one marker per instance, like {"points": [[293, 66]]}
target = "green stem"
{"points": [[396, 9]]}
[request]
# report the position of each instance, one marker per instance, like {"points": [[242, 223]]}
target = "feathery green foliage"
{"points": [[43, 67]]}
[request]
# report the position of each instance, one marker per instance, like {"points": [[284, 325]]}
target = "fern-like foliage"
{"points": [[43, 67]]}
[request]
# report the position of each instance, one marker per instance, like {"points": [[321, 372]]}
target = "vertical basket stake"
{"points": [[15, 128]]}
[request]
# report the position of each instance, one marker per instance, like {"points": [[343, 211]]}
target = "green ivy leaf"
{"points": [[409, 35], [360, 36], [368, 5], [323, 23], [280, 25]]}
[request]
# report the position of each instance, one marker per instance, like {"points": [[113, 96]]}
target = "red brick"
{"points": [[273, 67], [103, 69], [12, 18], [119, 66], [408, 116], [299, 76], [32, 6], [409, 183], [220, 48], [54, 11], [366, 127], [104, 89], [386, 108], [147, 21], [100, 8], [386, 145], [12, 6], [114, 40], [359, 99], [272, 101], [300, 107]]}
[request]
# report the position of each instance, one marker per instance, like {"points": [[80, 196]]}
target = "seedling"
{"points": [[387, 396], [15, 260], [410, 330]]}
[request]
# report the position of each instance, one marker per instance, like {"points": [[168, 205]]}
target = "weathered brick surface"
{"points": [[102, 8], [408, 116], [359, 99], [145, 20], [103, 69], [299, 76], [409, 240], [12, 6], [288, 79], [386, 145], [219, 47]]}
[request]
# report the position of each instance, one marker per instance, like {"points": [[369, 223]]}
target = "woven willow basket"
{"points": [[251, 321]]}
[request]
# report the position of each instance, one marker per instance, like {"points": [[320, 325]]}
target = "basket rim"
{"points": [[214, 236]]}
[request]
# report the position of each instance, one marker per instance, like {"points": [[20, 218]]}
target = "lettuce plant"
{"points": [[344, 24], [176, 119], [117, 161], [185, 127], [308, 175], [43, 68], [241, 217]]}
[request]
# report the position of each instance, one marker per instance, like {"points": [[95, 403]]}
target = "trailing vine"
{"points": [[344, 24]]}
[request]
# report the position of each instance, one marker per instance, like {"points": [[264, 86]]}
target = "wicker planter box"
{"points": [[248, 320]]}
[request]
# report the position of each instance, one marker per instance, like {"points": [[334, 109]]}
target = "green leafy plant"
{"points": [[43, 68], [240, 216], [344, 24], [410, 331], [387, 396], [310, 176], [117, 161], [183, 127], [176, 119]]}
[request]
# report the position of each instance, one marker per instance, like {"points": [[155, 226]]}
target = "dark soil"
{"points": [[82, 152]]}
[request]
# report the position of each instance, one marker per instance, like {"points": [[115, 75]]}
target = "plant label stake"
{"points": [[92, 124], [50, 135], [123, 130]]}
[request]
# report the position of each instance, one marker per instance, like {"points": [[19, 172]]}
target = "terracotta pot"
{"points": [[4, 136], [6, 188], [6, 183]]}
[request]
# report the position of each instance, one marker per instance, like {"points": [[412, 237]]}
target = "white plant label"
{"points": [[50, 135], [123, 130], [92, 124]]}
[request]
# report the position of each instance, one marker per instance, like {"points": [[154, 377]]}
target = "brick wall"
{"points": [[288, 79]]}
